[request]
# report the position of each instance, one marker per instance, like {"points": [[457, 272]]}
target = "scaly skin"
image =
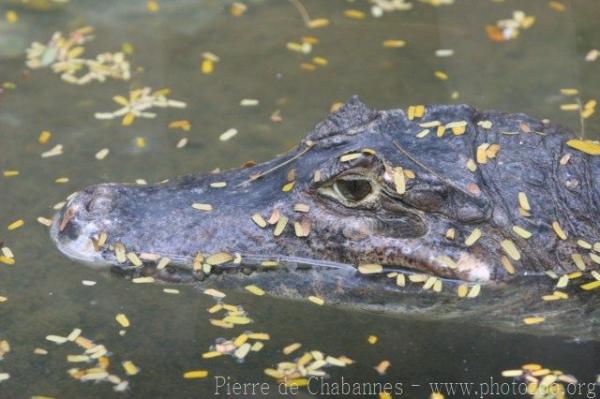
{"points": [[357, 152]]}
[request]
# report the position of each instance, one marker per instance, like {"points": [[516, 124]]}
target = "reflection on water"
{"points": [[166, 44]]}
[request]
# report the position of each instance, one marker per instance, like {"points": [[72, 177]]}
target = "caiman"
{"points": [[400, 212]]}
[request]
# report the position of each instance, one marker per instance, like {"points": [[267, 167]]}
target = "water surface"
{"points": [[168, 333]]}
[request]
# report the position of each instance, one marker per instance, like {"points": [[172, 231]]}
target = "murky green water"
{"points": [[168, 333]]}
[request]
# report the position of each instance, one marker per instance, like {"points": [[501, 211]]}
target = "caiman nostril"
{"points": [[67, 229], [66, 218]]}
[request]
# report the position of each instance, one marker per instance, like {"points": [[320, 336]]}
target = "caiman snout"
{"points": [[83, 218]]}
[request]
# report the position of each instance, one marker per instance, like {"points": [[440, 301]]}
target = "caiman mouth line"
{"points": [[179, 269], [182, 272]]}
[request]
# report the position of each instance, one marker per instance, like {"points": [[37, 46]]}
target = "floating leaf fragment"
{"points": [[370, 268], [122, 319], [291, 348], [195, 374], [354, 14], [219, 258], [586, 146], [202, 207], [44, 137], [255, 290], [533, 320], [16, 224], [394, 43], [228, 134]]}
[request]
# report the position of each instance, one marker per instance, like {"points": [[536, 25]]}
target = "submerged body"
{"points": [[384, 210]]}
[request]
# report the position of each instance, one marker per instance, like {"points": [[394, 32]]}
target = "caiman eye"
{"points": [[353, 188]]}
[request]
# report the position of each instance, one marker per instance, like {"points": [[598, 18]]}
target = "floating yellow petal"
{"points": [[399, 181], [16, 224], [6, 260], [195, 374], [591, 285], [153, 6], [370, 268], [533, 320], [207, 67], [512, 373], [291, 348], [121, 100], [259, 220], [559, 231], [44, 137], [473, 237], [354, 14], [316, 300], [202, 207], [128, 119], [511, 249], [394, 43], [219, 258], [255, 290], [12, 17], [318, 23], [130, 367], [122, 319], [586, 146]]}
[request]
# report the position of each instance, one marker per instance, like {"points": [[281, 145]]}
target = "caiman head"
{"points": [[444, 191]]}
